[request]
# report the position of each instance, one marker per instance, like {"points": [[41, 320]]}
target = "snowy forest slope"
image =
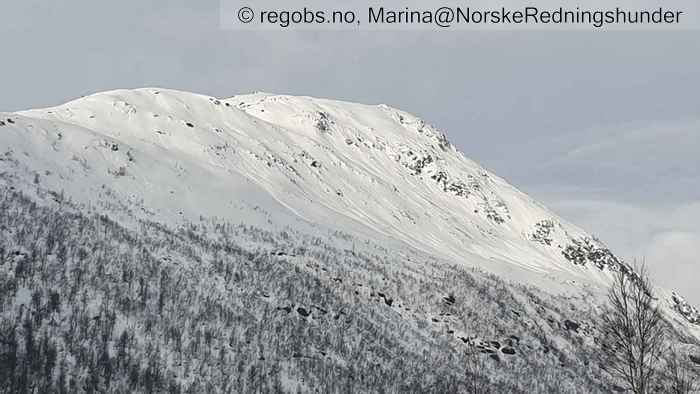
{"points": [[156, 240]]}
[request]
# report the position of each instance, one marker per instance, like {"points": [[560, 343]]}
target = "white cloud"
{"points": [[634, 185], [675, 249], [667, 238]]}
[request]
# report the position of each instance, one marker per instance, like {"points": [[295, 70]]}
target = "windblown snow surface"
{"points": [[368, 170], [378, 174]]}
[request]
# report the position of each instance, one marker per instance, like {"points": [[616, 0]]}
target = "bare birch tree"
{"points": [[633, 332]]}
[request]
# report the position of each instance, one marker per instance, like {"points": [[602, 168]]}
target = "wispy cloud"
{"points": [[665, 236]]}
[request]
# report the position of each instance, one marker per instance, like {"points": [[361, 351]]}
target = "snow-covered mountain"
{"points": [[368, 170], [371, 174]]}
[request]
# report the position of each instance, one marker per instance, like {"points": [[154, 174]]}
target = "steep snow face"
{"points": [[372, 171]]}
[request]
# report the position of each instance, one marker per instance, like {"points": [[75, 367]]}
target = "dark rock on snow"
{"points": [[449, 300], [571, 325], [508, 350], [695, 359], [303, 312]]}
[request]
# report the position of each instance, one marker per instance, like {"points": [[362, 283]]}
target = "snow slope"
{"points": [[371, 171]]}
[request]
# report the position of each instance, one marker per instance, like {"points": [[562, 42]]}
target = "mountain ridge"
{"points": [[371, 170]]}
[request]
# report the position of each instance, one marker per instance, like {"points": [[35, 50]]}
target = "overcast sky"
{"points": [[603, 127]]}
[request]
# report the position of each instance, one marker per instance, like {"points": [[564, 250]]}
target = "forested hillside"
{"points": [[90, 305]]}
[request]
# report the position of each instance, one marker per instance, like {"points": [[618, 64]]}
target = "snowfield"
{"points": [[358, 177], [369, 170]]}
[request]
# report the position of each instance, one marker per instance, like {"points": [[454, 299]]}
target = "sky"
{"points": [[603, 127]]}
